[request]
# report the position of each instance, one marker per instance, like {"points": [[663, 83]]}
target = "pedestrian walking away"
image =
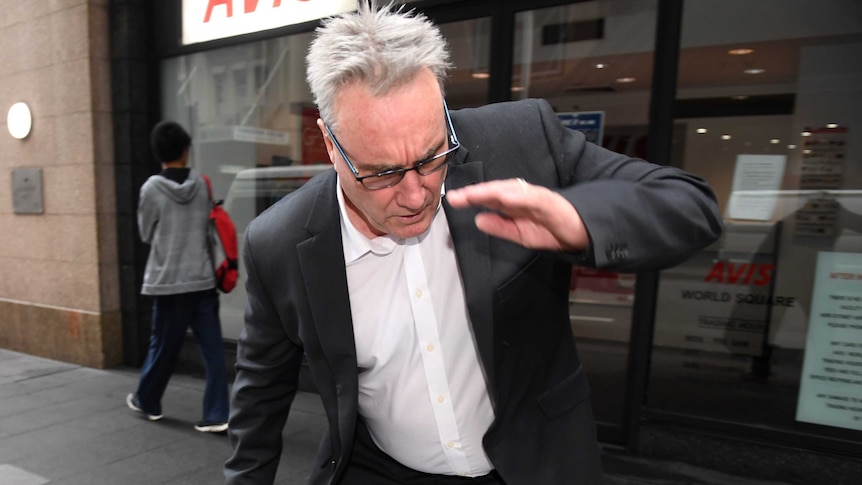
{"points": [[173, 218]]}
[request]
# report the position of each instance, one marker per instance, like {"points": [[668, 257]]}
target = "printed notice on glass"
{"points": [[756, 181], [830, 391]]}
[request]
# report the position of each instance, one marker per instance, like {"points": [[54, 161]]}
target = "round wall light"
{"points": [[19, 120]]}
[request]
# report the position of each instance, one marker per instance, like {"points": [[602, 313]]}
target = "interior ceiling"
{"points": [[699, 67]]}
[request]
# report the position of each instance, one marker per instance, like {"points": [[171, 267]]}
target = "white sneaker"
{"points": [[132, 402], [205, 427]]}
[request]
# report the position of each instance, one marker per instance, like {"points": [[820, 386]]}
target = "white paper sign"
{"points": [[756, 180], [830, 390]]}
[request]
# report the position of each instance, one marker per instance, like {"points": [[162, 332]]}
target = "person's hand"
{"points": [[530, 215]]}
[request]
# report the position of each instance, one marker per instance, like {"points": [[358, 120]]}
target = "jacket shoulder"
{"points": [[290, 217]]}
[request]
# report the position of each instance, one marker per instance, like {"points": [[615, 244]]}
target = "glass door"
{"points": [[761, 329], [593, 62]]}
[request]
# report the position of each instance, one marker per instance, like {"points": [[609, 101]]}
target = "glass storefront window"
{"points": [[593, 62], [764, 328], [254, 124]]}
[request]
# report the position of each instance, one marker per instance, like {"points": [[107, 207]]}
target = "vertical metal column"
{"points": [[663, 97]]}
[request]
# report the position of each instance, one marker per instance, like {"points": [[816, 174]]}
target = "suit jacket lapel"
{"points": [[473, 254], [325, 279]]}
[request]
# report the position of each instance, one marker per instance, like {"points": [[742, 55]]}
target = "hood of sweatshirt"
{"points": [[181, 193]]}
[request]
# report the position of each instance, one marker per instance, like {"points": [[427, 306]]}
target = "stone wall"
{"points": [[59, 293]]}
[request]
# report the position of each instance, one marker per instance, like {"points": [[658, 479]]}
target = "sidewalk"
{"points": [[62, 424]]}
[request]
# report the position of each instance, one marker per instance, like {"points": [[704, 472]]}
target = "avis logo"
{"points": [[250, 6], [740, 273]]}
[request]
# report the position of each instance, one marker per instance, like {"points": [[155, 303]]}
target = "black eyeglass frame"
{"points": [[454, 145]]}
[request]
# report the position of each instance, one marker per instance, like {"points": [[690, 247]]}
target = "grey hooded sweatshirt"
{"points": [[174, 219]]}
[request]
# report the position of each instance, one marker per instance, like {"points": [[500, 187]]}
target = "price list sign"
{"points": [[823, 152], [830, 391]]}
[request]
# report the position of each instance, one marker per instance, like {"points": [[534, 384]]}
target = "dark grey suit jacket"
{"points": [[639, 216]]}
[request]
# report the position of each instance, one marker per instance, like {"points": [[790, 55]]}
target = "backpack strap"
{"points": [[210, 227], [209, 186], [210, 191]]}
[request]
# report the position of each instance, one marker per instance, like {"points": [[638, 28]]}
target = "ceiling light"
{"points": [[626, 80], [791, 147], [517, 89], [775, 141], [754, 71], [740, 52], [701, 130], [601, 65], [481, 75], [832, 125], [806, 133], [725, 137]]}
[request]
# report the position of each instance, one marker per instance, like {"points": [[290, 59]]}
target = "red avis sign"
{"points": [[250, 6], [205, 20], [741, 273]]}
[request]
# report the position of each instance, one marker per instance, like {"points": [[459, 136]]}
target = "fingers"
{"points": [[530, 215], [498, 226], [497, 194]]}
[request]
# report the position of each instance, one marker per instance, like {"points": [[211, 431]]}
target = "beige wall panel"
{"points": [[71, 86], [84, 338], [51, 283], [66, 238], [103, 149], [16, 11], [101, 84], [69, 189], [26, 46], [69, 35], [73, 139], [109, 274], [100, 37], [107, 239]]}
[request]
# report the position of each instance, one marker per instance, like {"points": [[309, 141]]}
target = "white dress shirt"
{"points": [[422, 391]]}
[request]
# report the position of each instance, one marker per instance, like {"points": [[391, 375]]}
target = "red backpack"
{"points": [[223, 247]]}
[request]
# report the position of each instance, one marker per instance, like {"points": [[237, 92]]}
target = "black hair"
{"points": [[168, 141]]}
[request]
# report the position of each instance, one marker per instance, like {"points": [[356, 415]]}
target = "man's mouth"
{"points": [[411, 217]]}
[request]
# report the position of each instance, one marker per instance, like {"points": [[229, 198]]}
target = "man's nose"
{"points": [[410, 190]]}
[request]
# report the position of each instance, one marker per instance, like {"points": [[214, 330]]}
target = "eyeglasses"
{"points": [[388, 178]]}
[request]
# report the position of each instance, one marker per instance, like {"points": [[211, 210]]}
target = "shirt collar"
{"points": [[357, 244]]}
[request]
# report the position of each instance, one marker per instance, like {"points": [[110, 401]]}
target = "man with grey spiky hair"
{"points": [[426, 277]]}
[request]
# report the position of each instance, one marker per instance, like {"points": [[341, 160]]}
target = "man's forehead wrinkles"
{"points": [[382, 166]]}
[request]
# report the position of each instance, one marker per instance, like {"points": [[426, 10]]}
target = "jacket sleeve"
{"points": [[639, 215], [267, 379]]}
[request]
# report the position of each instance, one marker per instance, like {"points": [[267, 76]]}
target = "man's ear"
{"points": [[330, 147]]}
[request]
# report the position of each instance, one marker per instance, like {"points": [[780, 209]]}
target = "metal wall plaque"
{"points": [[27, 191]]}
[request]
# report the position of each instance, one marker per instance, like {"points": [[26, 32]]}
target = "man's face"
{"points": [[393, 131]]}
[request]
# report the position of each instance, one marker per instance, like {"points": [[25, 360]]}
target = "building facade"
{"points": [[60, 297], [749, 355]]}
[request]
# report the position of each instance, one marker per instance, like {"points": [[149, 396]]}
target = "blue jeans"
{"points": [[172, 316]]}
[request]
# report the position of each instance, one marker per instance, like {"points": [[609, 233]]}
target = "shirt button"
{"points": [[450, 444], [430, 347], [440, 399], [418, 293]]}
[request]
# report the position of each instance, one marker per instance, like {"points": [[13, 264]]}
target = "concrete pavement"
{"points": [[63, 424]]}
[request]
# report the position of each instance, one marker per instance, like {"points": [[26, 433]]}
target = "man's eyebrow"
{"points": [[382, 168]]}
